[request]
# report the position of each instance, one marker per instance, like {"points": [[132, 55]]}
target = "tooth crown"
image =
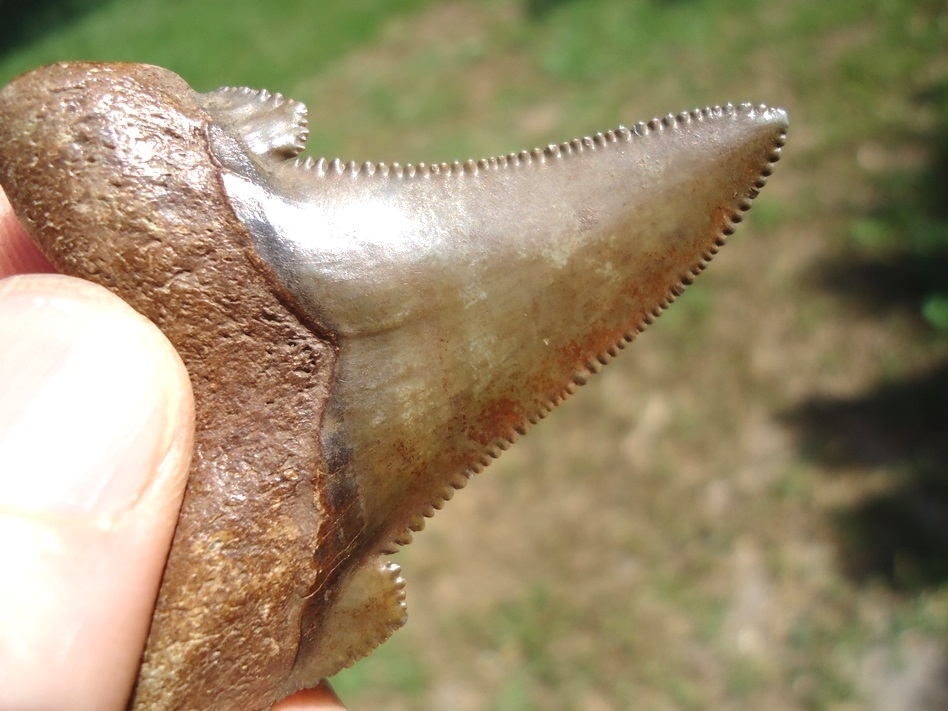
{"points": [[361, 338], [468, 299]]}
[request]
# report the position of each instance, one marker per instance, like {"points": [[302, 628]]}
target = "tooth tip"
{"points": [[777, 116]]}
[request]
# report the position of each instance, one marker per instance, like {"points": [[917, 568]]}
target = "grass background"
{"points": [[747, 510]]}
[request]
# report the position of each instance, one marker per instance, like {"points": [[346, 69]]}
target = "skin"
{"points": [[83, 546]]}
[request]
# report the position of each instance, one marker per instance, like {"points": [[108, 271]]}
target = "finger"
{"points": [[322, 697], [18, 255], [96, 426]]}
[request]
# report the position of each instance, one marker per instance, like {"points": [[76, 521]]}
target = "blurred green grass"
{"points": [[209, 42], [685, 534]]}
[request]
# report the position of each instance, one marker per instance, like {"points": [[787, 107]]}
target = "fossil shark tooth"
{"points": [[361, 338]]}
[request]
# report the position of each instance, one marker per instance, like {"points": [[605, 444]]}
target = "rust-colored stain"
{"points": [[497, 420]]}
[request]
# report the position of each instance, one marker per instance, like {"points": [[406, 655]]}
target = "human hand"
{"points": [[96, 428]]}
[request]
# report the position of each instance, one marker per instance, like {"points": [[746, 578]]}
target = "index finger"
{"points": [[320, 697]]}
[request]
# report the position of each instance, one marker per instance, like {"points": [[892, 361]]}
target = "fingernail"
{"points": [[85, 417]]}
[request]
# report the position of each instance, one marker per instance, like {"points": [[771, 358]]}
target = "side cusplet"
{"points": [[370, 607], [469, 299], [269, 125]]}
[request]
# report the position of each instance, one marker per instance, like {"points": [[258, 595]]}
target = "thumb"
{"points": [[96, 427]]}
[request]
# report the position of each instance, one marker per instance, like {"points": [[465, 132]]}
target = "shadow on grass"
{"points": [[900, 536], [24, 21], [537, 9], [902, 281]]}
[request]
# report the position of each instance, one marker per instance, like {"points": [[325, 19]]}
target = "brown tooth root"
{"points": [[361, 339]]}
